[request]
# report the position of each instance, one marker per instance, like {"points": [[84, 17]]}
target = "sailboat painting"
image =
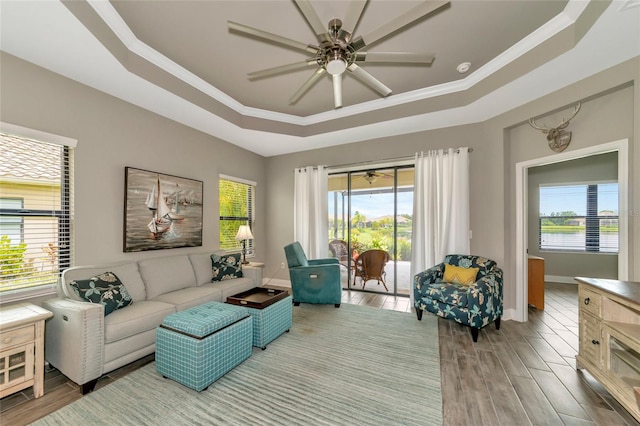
{"points": [[161, 211]]}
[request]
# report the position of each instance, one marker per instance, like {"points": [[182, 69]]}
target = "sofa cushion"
{"points": [[127, 272], [201, 263], [105, 289], [136, 318], [226, 267], [166, 274], [191, 296], [231, 287]]}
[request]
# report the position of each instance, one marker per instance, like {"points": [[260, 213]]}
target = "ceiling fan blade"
{"points": [[394, 57], [312, 18], [369, 80], [272, 37], [337, 90], [398, 22], [281, 69], [354, 12], [307, 85]]}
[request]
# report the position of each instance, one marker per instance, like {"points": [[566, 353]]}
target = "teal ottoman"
{"points": [[271, 310], [197, 346]]}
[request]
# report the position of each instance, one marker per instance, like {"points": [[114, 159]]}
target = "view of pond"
{"points": [[560, 241]]}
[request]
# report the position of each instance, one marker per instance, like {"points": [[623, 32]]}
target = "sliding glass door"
{"points": [[370, 217]]}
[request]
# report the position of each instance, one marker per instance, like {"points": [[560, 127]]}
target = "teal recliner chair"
{"points": [[313, 280]]}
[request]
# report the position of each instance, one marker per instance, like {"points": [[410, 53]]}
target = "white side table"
{"points": [[22, 348], [256, 269]]}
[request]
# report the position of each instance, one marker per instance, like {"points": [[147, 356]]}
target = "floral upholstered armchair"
{"points": [[464, 288]]}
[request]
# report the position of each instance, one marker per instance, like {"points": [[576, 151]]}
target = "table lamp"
{"points": [[244, 234]]}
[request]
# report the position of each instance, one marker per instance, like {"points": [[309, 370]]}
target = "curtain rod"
{"points": [[364, 163]]}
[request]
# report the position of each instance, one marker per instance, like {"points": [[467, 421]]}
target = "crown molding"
{"points": [[110, 16]]}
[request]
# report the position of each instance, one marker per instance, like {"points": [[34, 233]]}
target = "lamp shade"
{"points": [[244, 233]]}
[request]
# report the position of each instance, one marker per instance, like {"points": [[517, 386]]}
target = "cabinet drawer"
{"points": [[589, 301], [18, 336], [591, 339]]}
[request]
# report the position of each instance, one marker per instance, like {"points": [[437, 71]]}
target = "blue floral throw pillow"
{"points": [[106, 289], [226, 267]]}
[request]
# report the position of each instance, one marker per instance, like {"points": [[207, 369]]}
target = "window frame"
{"points": [[63, 214], [249, 219]]}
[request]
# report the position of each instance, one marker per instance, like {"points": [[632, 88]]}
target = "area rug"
{"points": [[355, 365]]}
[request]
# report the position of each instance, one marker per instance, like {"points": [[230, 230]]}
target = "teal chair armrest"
{"points": [[316, 284], [328, 261]]}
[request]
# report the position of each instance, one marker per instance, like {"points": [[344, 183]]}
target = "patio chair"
{"points": [[370, 266], [313, 280], [464, 288], [340, 250]]}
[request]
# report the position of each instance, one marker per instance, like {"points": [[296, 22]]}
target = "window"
{"points": [[237, 207], [12, 227], [579, 218], [35, 212]]}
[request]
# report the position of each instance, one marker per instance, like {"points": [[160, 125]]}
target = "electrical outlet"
{"points": [[282, 265]]}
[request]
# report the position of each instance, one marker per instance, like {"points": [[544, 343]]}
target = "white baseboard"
{"points": [[559, 279], [276, 282], [508, 314]]}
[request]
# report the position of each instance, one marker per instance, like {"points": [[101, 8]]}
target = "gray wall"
{"points": [[595, 168], [113, 134], [609, 100]]}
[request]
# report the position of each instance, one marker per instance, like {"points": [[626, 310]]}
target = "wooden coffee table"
{"points": [[271, 310]]}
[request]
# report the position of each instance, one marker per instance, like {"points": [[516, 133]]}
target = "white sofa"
{"points": [[84, 344]]}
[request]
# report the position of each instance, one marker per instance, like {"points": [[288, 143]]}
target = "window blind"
{"points": [[237, 207], [35, 212], [579, 218]]}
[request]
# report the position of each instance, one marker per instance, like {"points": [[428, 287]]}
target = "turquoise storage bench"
{"points": [[271, 322], [197, 346], [271, 310]]}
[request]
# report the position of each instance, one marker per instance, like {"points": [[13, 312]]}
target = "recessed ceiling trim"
{"points": [[110, 16]]}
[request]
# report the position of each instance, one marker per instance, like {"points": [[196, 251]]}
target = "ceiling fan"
{"points": [[337, 51], [372, 176]]}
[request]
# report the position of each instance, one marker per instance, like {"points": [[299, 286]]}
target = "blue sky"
{"points": [[377, 205], [557, 199], [562, 198]]}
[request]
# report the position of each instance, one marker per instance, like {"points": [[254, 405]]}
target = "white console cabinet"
{"points": [[609, 312], [22, 348]]}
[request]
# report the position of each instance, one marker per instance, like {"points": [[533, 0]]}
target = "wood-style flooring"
{"points": [[522, 374]]}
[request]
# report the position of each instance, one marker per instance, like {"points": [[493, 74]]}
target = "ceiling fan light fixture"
{"points": [[336, 66]]}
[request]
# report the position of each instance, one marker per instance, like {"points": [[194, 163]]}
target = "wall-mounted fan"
{"points": [[338, 51]]}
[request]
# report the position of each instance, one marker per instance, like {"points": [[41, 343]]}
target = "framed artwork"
{"points": [[161, 211]]}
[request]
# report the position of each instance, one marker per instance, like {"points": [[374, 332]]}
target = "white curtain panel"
{"points": [[440, 207], [311, 211]]}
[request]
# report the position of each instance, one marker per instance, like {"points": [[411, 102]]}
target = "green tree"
{"points": [[358, 220], [235, 211], [560, 218], [11, 257]]}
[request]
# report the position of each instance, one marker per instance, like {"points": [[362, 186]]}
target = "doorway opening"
{"points": [[370, 223], [522, 169]]}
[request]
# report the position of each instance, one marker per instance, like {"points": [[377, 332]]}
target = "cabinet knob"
{"points": [[586, 301], [595, 342]]}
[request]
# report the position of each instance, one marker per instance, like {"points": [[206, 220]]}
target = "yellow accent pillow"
{"points": [[458, 275]]}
